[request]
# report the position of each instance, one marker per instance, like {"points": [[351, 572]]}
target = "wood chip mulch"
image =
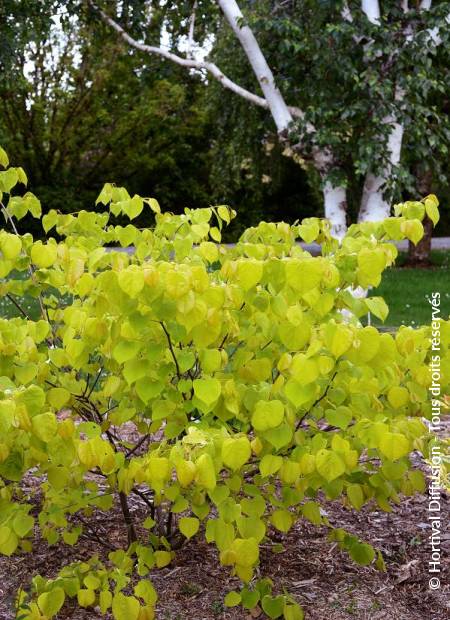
{"points": [[324, 580]]}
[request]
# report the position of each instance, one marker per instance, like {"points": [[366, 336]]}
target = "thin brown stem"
{"points": [[316, 402], [169, 340], [221, 345], [9, 219], [131, 531], [98, 538], [18, 306], [137, 446], [95, 382], [169, 524], [145, 499]]}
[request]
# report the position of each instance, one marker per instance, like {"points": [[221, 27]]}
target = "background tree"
{"points": [[350, 116], [78, 109]]}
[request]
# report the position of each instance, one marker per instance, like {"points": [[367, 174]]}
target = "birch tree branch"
{"points": [[335, 202], [191, 40], [278, 108], [282, 114], [346, 13], [433, 34], [190, 63]]}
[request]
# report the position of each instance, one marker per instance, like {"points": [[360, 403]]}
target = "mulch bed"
{"points": [[321, 578], [324, 580]]}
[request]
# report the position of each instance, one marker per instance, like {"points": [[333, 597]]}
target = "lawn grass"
{"points": [[406, 291]]}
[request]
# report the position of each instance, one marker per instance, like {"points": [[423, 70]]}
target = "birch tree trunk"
{"points": [[374, 207], [372, 10], [335, 207], [335, 197]]}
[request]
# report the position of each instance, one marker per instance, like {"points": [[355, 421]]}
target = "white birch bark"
{"points": [[334, 196], [188, 63], [190, 39], [371, 8], [432, 33], [335, 207], [346, 14], [278, 108], [373, 206]]}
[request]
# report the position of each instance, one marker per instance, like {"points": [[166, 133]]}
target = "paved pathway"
{"points": [[437, 243]]}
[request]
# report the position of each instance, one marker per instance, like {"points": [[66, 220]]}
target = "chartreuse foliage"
{"points": [[254, 396]]}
